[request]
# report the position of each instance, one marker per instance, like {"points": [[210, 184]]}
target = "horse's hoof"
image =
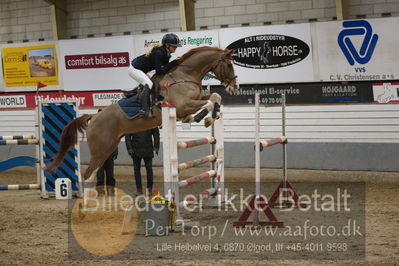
{"points": [[208, 122]]}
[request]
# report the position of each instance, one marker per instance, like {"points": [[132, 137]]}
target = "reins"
{"points": [[182, 81], [223, 78]]}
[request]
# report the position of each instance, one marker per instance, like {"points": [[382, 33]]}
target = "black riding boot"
{"points": [[145, 101]]}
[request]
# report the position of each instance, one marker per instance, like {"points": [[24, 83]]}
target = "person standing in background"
{"points": [[141, 146]]}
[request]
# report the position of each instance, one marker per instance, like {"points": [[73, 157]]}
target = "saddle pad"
{"points": [[130, 106]]}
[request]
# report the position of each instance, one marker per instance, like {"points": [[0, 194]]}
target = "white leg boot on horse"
{"points": [[215, 115], [212, 105]]}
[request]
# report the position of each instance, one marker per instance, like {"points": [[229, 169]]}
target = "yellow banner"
{"points": [[28, 65]]}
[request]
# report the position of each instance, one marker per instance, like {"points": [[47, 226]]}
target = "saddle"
{"points": [[155, 92], [155, 96]]}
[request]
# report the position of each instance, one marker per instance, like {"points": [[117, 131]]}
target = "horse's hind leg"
{"points": [[99, 152], [91, 171], [88, 183]]}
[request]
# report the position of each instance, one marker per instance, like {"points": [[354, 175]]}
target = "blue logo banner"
{"points": [[356, 28]]}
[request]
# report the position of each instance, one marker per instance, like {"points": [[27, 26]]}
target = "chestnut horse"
{"points": [[181, 86]]}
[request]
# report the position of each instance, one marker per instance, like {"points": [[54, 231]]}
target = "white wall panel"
{"points": [[370, 123]]}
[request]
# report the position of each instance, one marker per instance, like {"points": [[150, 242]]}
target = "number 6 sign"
{"points": [[63, 188]]}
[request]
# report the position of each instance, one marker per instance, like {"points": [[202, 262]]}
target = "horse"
{"points": [[180, 86]]}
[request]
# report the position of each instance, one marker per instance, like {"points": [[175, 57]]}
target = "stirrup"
{"points": [[145, 114]]}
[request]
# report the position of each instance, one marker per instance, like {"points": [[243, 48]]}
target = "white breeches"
{"points": [[139, 76]]}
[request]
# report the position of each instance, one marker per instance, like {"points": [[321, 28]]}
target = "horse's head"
{"points": [[224, 72]]}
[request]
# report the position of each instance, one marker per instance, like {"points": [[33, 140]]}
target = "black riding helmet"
{"points": [[171, 39]]}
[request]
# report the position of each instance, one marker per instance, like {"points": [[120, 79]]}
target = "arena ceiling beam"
{"points": [[187, 15], [58, 18], [341, 9]]}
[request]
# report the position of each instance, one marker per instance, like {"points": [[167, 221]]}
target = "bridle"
{"points": [[223, 73], [222, 79]]}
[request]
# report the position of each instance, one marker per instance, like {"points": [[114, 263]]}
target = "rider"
{"points": [[156, 58]]}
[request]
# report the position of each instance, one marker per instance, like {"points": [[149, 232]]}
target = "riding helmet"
{"points": [[171, 39]]}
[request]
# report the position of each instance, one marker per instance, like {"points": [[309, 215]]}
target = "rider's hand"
{"points": [[174, 63]]}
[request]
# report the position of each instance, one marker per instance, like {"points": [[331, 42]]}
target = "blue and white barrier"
{"points": [[51, 120]]}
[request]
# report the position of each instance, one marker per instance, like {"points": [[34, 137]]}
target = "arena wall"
{"points": [[30, 20], [339, 137]]}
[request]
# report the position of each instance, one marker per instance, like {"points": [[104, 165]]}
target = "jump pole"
{"points": [[217, 149], [284, 187], [285, 175], [172, 168], [24, 160], [257, 160], [170, 161], [257, 202]]}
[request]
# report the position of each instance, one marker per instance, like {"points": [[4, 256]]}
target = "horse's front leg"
{"points": [[216, 107], [206, 104], [197, 105], [190, 108], [215, 115], [213, 105]]}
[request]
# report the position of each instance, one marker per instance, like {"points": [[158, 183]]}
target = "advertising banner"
{"points": [[188, 40], [25, 66], [304, 93], [2, 85], [88, 99], [386, 92], [271, 54], [358, 50], [96, 63]]}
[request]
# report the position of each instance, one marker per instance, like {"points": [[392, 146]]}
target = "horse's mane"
{"points": [[194, 50]]}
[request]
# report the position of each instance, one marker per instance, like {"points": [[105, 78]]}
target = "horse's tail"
{"points": [[69, 138]]}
